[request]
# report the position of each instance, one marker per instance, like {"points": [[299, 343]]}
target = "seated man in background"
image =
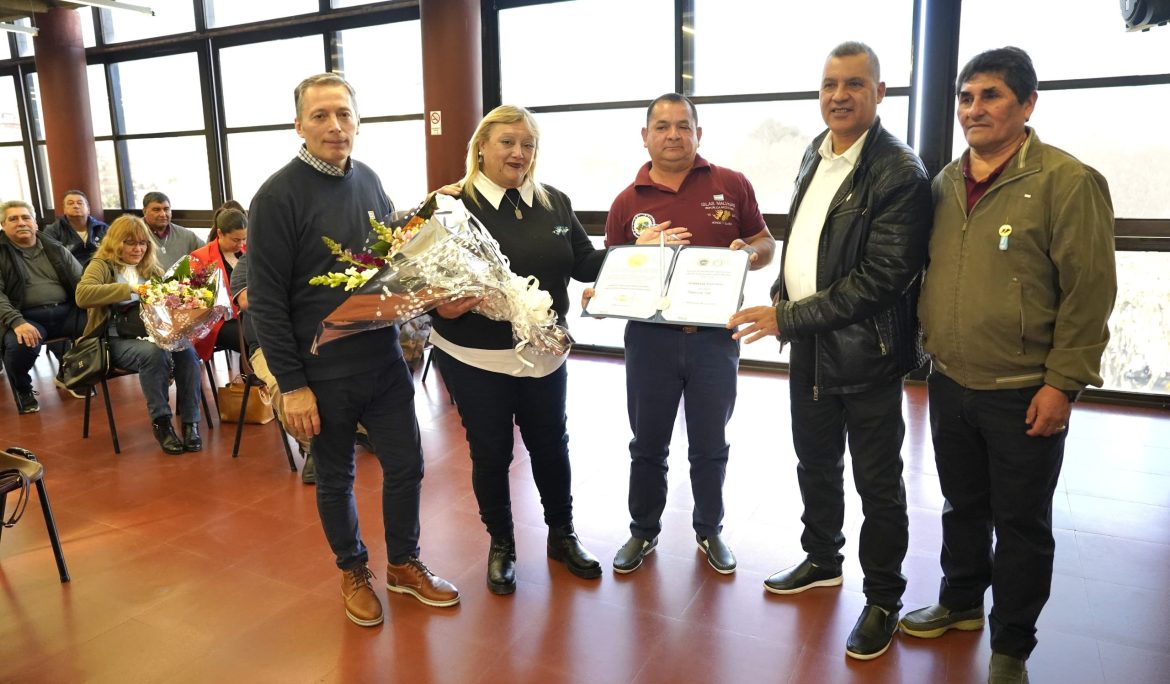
{"points": [[173, 241], [37, 281], [79, 232]]}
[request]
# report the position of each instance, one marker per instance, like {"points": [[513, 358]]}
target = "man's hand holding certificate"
{"points": [[662, 284]]}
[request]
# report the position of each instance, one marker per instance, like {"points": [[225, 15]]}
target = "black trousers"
{"points": [[488, 404], [995, 477], [872, 423]]}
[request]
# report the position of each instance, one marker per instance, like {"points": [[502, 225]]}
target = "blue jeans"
{"points": [[53, 320], [383, 401], [153, 366], [995, 477], [488, 403], [665, 364]]}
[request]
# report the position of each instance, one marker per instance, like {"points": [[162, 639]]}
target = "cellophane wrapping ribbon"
{"points": [[451, 256], [176, 314]]}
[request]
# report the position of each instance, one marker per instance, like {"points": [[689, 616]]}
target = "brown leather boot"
{"points": [[361, 603], [414, 578]]}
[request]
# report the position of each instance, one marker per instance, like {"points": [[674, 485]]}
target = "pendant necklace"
{"points": [[515, 205]]}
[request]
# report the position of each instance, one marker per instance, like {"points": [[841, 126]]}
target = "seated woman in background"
{"points": [[225, 246], [126, 258]]}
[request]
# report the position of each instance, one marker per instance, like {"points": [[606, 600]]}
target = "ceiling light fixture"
{"points": [[110, 4], [17, 28]]}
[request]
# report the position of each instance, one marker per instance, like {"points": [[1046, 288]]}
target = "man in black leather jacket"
{"points": [[846, 299]]}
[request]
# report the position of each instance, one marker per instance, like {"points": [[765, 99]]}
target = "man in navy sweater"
{"points": [[324, 192]]}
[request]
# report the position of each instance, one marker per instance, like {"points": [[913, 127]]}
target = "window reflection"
{"points": [[107, 175], [14, 173], [99, 99]]}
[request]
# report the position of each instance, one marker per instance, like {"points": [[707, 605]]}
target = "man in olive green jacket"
{"points": [[1019, 286]]}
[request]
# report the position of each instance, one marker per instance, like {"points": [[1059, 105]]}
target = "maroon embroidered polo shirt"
{"points": [[976, 189], [717, 205]]}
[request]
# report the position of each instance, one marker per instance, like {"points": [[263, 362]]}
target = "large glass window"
{"points": [[170, 17], [1069, 39], [1138, 358], [14, 173], [159, 94], [253, 157], [107, 174], [384, 65], [176, 166], [229, 12], [397, 153], [763, 46], [251, 101], [5, 49], [24, 42], [99, 99], [10, 130], [544, 59]]}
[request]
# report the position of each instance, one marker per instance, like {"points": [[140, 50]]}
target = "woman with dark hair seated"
{"points": [[126, 258], [225, 246]]}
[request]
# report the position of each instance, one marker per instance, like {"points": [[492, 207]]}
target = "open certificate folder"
{"points": [[680, 285]]}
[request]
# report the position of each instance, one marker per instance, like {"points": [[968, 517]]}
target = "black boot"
{"points": [[191, 439], [501, 572], [564, 546], [164, 432]]}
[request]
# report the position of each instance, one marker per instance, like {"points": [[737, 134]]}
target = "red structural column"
{"points": [[60, 60], [452, 84]]}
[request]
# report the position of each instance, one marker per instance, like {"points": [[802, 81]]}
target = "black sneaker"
{"points": [[26, 401], [629, 557], [872, 634], [719, 555], [802, 577], [933, 621]]}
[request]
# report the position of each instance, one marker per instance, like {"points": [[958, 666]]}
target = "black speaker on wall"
{"points": [[1140, 15]]}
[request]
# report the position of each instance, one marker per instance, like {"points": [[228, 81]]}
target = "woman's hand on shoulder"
{"points": [[452, 189]]}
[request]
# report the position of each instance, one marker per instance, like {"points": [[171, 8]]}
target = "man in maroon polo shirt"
{"points": [[665, 363]]}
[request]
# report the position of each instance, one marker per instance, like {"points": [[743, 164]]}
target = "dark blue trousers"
{"points": [[383, 401], [663, 365], [488, 404], [872, 423], [54, 320], [995, 478]]}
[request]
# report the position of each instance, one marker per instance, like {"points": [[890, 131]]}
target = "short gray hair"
{"points": [[16, 203], [326, 79], [853, 47]]}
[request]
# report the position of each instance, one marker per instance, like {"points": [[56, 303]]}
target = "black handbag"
{"points": [[128, 320], [86, 363]]}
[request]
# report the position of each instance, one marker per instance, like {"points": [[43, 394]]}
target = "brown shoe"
{"points": [[361, 603], [414, 578]]}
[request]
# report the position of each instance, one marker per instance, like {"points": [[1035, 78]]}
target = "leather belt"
{"points": [[685, 329]]}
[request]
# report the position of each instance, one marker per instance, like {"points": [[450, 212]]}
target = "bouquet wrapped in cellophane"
{"points": [[436, 254], [184, 304]]}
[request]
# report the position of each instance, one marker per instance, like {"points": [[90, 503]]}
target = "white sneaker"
{"points": [[74, 393]]}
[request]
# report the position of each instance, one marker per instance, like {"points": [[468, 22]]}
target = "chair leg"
{"points": [[240, 419], [427, 366], [51, 526], [211, 380], [3, 507], [110, 417], [88, 401], [292, 465]]}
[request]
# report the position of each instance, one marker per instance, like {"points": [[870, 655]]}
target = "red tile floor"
{"points": [[201, 568]]}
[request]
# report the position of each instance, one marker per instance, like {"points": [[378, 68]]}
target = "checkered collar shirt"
{"points": [[322, 166]]}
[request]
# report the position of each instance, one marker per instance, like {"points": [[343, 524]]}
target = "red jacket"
{"points": [[208, 254]]}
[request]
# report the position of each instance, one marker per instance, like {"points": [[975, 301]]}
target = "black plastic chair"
{"points": [[117, 373], [29, 471], [251, 380]]}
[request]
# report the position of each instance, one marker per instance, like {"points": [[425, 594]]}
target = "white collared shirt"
{"points": [[804, 237], [494, 194]]}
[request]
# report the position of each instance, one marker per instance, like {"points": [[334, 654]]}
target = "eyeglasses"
{"points": [[135, 243]]}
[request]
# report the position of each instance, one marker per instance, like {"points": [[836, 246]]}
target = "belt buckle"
{"points": [[689, 329]]}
